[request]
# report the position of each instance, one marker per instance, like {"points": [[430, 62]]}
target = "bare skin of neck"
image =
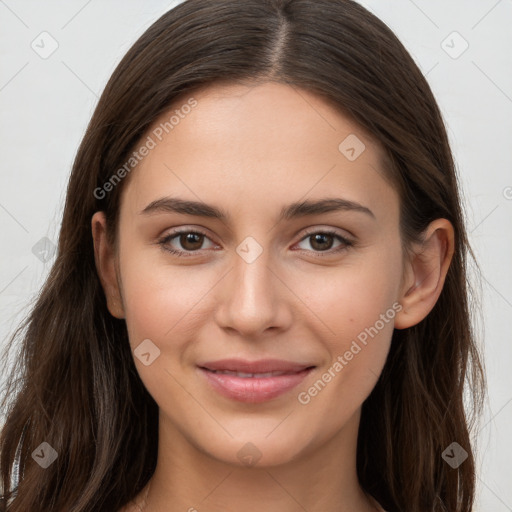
{"points": [[323, 480]]}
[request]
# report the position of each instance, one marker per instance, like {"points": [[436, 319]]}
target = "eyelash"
{"points": [[346, 243]]}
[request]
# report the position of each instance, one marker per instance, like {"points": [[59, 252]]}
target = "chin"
{"points": [[257, 451]]}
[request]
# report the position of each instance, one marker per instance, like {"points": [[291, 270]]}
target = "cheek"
{"points": [[356, 304], [162, 304], [358, 309], [159, 300], [351, 298]]}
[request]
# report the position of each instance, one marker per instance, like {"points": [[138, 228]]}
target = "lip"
{"points": [[254, 389]]}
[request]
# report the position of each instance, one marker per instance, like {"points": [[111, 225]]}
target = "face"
{"points": [[266, 311]]}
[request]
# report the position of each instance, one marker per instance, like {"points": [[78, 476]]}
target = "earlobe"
{"points": [[104, 256], [426, 273]]}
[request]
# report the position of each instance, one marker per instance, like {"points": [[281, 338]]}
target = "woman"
{"points": [[259, 300]]}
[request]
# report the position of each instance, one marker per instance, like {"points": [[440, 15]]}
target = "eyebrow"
{"points": [[292, 211]]}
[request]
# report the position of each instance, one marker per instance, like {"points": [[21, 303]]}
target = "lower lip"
{"points": [[253, 389]]}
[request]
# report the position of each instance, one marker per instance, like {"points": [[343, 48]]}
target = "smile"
{"points": [[253, 382]]}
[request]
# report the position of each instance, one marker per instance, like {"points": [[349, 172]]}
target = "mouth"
{"points": [[256, 381]]}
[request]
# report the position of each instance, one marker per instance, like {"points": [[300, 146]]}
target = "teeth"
{"points": [[244, 375]]}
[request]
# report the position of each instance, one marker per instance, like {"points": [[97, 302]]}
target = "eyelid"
{"points": [[346, 241], [324, 229], [185, 230]]}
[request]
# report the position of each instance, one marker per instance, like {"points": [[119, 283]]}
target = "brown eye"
{"points": [[191, 241], [185, 243], [321, 241], [324, 241]]}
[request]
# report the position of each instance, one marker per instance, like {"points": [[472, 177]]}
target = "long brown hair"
{"points": [[74, 384]]}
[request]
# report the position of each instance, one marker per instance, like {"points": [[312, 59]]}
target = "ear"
{"points": [[104, 256], [425, 273]]}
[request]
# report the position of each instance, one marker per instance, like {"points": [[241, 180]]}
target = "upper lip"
{"points": [[259, 366]]}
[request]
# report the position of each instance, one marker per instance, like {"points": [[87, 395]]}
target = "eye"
{"points": [[190, 241], [324, 240]]}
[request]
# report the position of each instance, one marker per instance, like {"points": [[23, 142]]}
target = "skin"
{"points": [[252, 150]]}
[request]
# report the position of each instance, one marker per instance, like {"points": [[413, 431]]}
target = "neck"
{"points": [[321, 478]]}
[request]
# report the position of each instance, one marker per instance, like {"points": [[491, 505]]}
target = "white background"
{"points": [[45, 105]]}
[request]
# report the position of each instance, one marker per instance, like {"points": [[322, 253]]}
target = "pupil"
{"points": [[319, 238], [190, 239]]}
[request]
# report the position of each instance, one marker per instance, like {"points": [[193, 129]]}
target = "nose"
{"points": [[252, 300]]}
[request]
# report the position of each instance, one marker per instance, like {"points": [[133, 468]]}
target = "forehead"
{"points": [[251, 116], [257, 144]]}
